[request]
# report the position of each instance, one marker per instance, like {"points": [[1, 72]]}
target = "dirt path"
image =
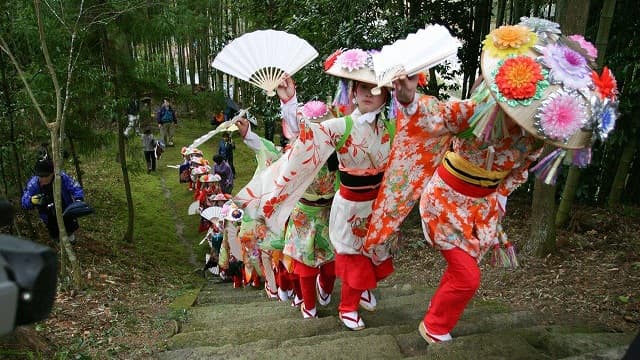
{"points": [[179, 224]]}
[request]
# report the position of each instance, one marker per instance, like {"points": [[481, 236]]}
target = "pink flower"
{"points": [[561, 116], [353, 59], [585, 45], [314, 109]]}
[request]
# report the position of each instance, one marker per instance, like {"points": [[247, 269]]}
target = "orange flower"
{"points": [[605, 84], [517, 78], [509, 36], [509, 40]]}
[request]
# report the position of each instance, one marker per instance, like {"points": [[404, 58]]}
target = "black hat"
{"points": [[44, 167]]}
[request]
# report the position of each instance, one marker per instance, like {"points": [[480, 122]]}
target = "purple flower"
{"points": [[567, 66]]}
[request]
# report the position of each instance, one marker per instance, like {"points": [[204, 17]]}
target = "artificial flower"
{"points": [[517, 78], [560, 116], [314, 109], [604, 113], [605, 84], [566, 66], [586, 45], [540, 25], [353, 59], [328, 63], [509, 40]]}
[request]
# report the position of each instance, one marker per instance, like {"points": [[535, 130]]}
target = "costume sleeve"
{"points": [[159, 114], [424, 129], [290, 123], [518, 174], [33, 188], [272, 193]]}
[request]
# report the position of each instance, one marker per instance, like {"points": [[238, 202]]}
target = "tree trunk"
{"points": [[573, 179], [542, 233], [502, 5], [128, 235], [76, 160], [573, 20], [622, 173]]}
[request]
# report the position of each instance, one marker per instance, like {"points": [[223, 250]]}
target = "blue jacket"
{"points": [[71, 191]]}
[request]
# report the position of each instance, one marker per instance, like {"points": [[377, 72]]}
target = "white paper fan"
{"points": [[212, 212], [194, 208], [264, 57], [423, 50]]}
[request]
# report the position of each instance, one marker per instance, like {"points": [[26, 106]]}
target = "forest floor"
{"points": [[593, 278], [125, 313]]}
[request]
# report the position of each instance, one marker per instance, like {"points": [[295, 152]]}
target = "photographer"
{"points": [[39, 194]]}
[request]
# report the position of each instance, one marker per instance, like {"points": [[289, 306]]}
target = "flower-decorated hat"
{"points": [[352, 64], [208, 178], [546, 83], [234, 214]]}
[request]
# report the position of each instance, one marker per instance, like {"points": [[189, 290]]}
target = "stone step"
{"points": [[232, 332], [524, 343], [348, 348]]}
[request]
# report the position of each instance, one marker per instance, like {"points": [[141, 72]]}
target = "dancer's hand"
{"points": [[286, 89], [405, 88], [243, 126]]}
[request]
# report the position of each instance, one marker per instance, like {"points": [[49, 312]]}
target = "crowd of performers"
{"points": [[329, 206]]}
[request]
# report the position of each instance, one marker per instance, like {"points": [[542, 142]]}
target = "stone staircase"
{"points": [[227, 323]]}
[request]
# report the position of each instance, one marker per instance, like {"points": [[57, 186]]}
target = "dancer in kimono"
{"points": [[558, 99], [362, 142], [306, 237]]}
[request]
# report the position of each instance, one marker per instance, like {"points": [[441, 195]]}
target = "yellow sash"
{"points": [[470, 173]]}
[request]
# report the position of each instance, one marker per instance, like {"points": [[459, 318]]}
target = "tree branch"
{"points": [[5, 48]]}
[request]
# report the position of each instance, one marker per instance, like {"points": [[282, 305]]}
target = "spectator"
{"points": [[149, 147], [223, 169], [133, 113], [39, 194], [167, 120], [225, 149]]}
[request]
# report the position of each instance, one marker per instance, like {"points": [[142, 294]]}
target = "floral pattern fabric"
{"points": [[423, 135], [451, 219], [272, 195]]}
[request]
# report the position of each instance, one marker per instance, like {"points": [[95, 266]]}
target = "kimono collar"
{"points": [[367, 117]]}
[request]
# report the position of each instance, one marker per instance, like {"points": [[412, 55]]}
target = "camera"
{"points": [[28, 276]]}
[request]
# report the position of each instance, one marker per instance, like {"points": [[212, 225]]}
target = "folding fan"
{"points": [[227, 126], [423, 50], [194, 208], [264, 57], [212, 212]]}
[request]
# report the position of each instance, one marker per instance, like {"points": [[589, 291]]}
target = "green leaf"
{"points": [[623, 299]]}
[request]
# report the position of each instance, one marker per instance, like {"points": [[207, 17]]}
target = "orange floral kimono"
{"points": [[424, 131], [450, 218]]}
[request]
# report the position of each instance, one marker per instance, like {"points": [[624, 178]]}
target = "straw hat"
{"points": [[546, 83], [208, 178], [352, 64]]}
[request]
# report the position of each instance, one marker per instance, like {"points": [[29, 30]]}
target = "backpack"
{"points": [[167, 116]]}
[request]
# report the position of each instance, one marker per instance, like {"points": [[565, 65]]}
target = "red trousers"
{"points": [[307, 277], [358, 273], [459, 283]]}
